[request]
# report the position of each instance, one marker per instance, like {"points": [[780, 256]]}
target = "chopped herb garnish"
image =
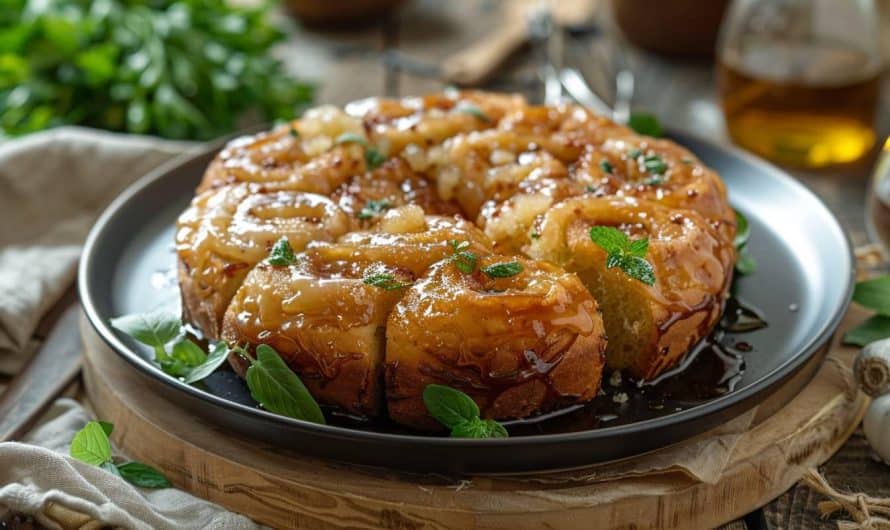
{"points": [[374, 158], [654, 164], [621, 252], [459, 413], [347, 138], [654, 181], [645, 123], [294, 132], [687, 161], [473, 110], [374, 208], [634, 154], [535, 235], [503, 270], [463, 259], [591, 189], [282, 254], [606, 166], [387, 282]]}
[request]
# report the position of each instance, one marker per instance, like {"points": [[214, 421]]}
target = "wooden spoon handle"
{"points": [[472, 65]]}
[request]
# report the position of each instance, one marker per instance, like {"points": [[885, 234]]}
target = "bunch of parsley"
{"points": [[173, 68]]}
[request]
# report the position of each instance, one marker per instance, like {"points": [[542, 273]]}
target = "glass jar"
{"points": [[799, 79]]}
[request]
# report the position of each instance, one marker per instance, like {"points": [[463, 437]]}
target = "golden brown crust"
{"points": [[517, 345]]}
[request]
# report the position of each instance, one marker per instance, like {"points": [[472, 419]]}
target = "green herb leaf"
{"points": [[634, 153], [463, 259], [213, 361], [742, 230], [473, 110], [353, 138], [143, 476], [449, 406], [478, 428], [374, 158], [90, 445], [645, 123], [387, 282], [622, 253], [282, 254], [374, 208], [277, 388], [874, 328], [655, 164], [189, 353], [155, 329], [606, 166], [503, 270], [874, 294], [746, 264]]}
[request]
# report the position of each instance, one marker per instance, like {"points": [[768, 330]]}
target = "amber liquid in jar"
{"points": [[806, 107]]}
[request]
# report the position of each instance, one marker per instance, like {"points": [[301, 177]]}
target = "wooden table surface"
{"points": [[399, 54]]}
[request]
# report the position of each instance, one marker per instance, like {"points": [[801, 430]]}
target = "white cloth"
{"points": [[53, 185], [37, 478]]}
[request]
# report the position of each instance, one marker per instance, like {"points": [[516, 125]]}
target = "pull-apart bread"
{"points": [[447, 239]]}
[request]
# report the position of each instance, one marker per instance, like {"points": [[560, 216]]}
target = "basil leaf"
{"points": [[278, 389], [449, 406], [282, 254], [386, 282], [874, 328], [610, 239], [478, 428], [374, 208], [503, 270], [213, 361], [143, 476], [189, 353], [746, 264], [90, 445], [874, 294], [154, 329], [645, 123]]}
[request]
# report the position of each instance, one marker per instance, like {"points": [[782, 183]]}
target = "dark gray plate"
{"points": [[802, 288]]}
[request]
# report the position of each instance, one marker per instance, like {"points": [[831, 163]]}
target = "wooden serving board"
{"points": [[287, 490]]}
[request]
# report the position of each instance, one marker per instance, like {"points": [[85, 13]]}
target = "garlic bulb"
{"points": [[872, 372]]}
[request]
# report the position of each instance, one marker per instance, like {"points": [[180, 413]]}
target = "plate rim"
{"points": [[692, 414]]}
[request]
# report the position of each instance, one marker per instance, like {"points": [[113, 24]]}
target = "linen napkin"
{"points": [[53, 185]]}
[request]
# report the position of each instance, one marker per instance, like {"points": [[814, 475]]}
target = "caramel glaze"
{"points": [[519, 346], [533, 178]]}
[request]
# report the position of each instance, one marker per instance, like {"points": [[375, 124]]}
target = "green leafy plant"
{"points": [[873, 294], [373, 208], [621, 252], [277, 388], [387, 282], [503, 270], [91, 446], [746, 263], [463, 259], [282, 254], [645, 123], [458, 412], [373, 157], [174, 68]]}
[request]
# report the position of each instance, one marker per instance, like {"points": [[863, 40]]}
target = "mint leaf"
{"points": [[609, 239], [188, 353], [277, 388], [374, 158], [621, 252], [143, 476], [386, 282], [354, 138], [503, 270], [645, 123], [473, 110], [463, 259], [374, 208], [90, 445], [154, 329], [874, 328], [211, 363], [449, 406], [478, 428], [282, 254], [654, 164], [874, 294]]}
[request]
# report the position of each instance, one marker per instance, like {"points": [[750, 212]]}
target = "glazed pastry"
{"points": [[650, 327], [226, 231], [518, 344]]}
